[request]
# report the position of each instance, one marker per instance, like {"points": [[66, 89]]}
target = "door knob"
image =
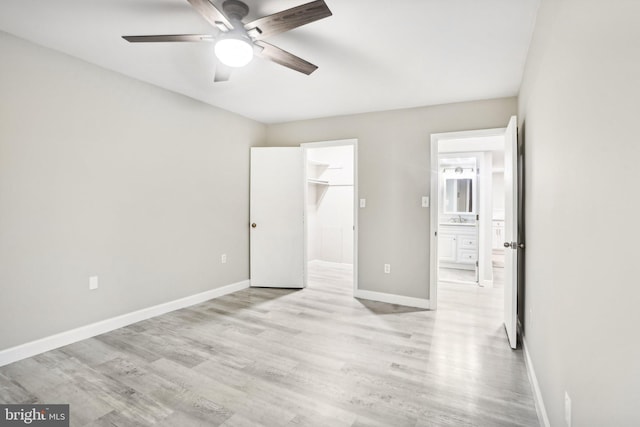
{"points": [[514, 245], [254, 225]]}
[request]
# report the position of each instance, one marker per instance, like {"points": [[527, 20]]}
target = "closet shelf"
{"points": [[317, 181]]}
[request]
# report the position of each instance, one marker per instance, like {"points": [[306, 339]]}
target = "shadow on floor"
{"points": [[385, 308]]}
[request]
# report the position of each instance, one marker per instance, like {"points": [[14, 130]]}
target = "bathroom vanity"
{"points": [[458, 245]]}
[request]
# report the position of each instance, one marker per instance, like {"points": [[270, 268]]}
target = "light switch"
{"points": [[93, 283], [363, 203], [425, 201]]}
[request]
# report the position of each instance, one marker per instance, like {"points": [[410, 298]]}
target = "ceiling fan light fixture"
{"points": [[234, 51]]}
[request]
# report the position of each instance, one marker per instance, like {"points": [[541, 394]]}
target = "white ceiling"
{"points": [[372, 55]]}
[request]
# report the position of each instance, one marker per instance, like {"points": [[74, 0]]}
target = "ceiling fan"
{"points": [[237, 42]]}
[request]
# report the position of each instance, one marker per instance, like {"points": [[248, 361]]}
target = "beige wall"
{"points": [[104, 175], [393, 174], [579, 111]]}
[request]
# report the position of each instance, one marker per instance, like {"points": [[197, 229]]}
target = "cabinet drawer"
{"points": [[468, 242], [468, 256]]}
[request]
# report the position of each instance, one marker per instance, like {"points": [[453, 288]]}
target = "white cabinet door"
{"points": [[277, 227], [447, 247]]}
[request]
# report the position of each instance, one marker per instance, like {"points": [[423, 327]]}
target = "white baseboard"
{"points": [[537, 395], [487, 283], [392, 299], [338, 264], [22, 351]]}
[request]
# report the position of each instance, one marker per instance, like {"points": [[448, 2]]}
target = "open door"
{"points": [[511, 244], [276, 218]]}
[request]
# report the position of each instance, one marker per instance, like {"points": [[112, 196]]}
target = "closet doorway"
{"points": [[330, 217]]}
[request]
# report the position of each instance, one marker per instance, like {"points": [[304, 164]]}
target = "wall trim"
{"points": [[392, 299], [537, 394], [32, 348]]}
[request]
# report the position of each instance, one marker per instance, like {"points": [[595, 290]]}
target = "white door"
{"points": [[276, 219], [511, 231]]}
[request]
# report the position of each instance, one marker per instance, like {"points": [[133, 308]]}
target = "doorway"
{"points": [[330, 214], [490, 221], [465, 157], [460, 190], [471, 187]]}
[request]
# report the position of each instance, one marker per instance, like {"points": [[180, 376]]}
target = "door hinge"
{"points": [[477, 217], [435, 234], [477, 264]]}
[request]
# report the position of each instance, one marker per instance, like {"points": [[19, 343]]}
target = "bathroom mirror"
{"points": [[458, 195]]}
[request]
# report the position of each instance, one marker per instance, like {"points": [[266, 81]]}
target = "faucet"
{"points": [[460, 219]]}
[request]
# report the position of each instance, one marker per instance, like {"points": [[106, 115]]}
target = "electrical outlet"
{"points": [[387, 268], [223, 258], [425, 201], [93, 283], [363, 203], [567, 409]]}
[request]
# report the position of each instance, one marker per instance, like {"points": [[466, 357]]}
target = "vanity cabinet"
{"points": [[447, 247], [458, 246]]}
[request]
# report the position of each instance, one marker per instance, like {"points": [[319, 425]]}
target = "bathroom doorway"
{"points": [[459, 191], [497, 223], [468, 194]]}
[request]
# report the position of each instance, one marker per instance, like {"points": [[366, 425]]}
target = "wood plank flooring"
{"points": [[273, 357], [468, 277], [457, 275]]}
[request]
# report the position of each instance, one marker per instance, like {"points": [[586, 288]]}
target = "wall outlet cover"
{"points": [[425, 201], [223, 258], [93, 283], [363, 203], [387, 268]]}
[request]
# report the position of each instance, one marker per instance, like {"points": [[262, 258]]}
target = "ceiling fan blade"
{"points": [[285, 58], [170, 38], [287, 19], [211, 13], [223, 73]]}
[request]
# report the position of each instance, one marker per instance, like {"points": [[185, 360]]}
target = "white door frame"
{"points": [[323, 144], [453, 142]]}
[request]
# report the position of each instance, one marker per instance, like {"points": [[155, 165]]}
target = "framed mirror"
{"points": [[458, 195]]}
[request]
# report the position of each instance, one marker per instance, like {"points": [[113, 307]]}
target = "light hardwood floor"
{"points": [[273, 357], [457, 275]]}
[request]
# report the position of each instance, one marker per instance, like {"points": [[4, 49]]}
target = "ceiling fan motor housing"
{"points": [[235, 9]]}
